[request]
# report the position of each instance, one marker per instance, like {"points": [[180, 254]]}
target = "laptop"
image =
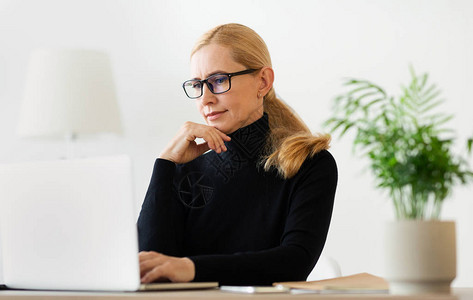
{"points": [[71, 225]]}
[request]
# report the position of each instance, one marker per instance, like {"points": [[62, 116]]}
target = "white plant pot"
{"points": [[420, 256]]}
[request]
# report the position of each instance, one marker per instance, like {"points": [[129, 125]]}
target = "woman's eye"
{"points": [[220, 80], [196, 85]]}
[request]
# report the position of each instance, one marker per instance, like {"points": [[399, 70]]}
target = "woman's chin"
{"points": [[221, 127], [219, 124]]}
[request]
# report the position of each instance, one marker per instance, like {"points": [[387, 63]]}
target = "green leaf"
{"points": [[439, 119], [425, 77], [359, 99], [432, 90], [338, 124], [431, 106], [347, 127]]}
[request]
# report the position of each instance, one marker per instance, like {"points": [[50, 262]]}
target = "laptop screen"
{"points": [[69, 225]]}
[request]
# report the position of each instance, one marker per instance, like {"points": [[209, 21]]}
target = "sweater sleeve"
{"points": [[304, 236], [162, 218]]}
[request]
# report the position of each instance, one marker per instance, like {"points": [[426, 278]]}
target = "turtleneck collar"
{"points": [[250, 140]]}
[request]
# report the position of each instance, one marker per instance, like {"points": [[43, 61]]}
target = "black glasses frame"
{"points": [[230, 75]]}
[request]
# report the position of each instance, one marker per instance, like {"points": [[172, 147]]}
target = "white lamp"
{"points": [[69, 92]]}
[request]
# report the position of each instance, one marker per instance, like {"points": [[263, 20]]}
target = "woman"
{"points": [[256, 208]]}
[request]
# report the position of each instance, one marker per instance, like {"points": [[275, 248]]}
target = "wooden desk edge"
{"points": [[457, 293]]}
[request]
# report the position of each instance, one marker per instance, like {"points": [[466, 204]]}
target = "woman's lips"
{"points": [[214, 115]]}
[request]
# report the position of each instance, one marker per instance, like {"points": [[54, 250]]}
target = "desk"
{"points": [[457, 294]]}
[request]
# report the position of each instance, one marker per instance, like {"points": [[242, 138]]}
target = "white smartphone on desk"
{"points": [[255, 289]]}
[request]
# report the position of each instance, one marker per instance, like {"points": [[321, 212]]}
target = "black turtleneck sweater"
{"points": [[239, 224]]}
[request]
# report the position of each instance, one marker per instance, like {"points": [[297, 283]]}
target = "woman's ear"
{"points": [[266, 80]]}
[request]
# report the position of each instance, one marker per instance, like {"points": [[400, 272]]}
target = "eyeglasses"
{"points": [[217, 84]]}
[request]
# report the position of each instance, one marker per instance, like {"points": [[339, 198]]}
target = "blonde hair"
{"points": [[289, 141]]}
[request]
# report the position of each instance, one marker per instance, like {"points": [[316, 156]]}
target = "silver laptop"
{"points": [[70, 225]]}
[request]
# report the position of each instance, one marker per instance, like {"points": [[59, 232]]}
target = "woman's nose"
{"points": [[207, 96]]}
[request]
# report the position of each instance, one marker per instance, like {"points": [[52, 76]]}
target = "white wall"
{"points": [[314, 44]]}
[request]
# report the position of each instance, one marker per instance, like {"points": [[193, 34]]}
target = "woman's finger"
{"points": [[202, 148], [216, 140], [224, 136], [212, 140], [147, 265], [149, 260], [153, 275], [145, 255]]}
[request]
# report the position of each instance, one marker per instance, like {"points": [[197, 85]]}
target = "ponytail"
{"points": [[290, 141]]}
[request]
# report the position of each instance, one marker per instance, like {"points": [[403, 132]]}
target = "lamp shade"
{"points": [[69, 92]]}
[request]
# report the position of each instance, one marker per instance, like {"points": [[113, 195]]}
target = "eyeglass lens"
{"points": [[217, 84]]}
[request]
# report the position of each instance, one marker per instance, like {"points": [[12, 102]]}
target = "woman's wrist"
{"points": [[190, 266], [166, 156]]}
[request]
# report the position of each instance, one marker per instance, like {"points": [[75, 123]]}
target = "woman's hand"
{"points": [[183, 147], [159, 267]]}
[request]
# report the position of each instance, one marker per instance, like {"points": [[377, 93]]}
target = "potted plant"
{"points": [[409, 149]]}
